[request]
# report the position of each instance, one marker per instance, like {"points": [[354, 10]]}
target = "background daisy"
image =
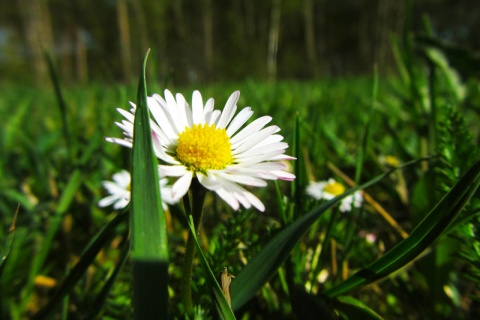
{"points": [[327, 190], [119, 190]]}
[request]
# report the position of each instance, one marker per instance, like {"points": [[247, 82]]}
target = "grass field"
{"points": [[67, 257]]}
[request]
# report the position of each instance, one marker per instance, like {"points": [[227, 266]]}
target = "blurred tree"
{"points": [[273, 35], [208, 36], [124, 33], [309, 14], [37, 32], [211, 40]]}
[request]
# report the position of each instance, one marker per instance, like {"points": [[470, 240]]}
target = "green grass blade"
{"points": [[264, 265], [8, 245], [147, 220], [86, 259], [64, 203], [427, 231], [367, 133], [103, 295], [223, 308], [61, 104], [351, 308]]}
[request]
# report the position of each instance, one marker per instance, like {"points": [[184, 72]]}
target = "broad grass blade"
{"points": [[264, 265], [351, 308], [103, 295], [86, 259], [427, 231], [8, 245], [223, 308], [147, 220], [68, 194]]}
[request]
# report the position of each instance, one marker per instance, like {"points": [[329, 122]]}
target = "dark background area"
{"points": [[216, 40]]}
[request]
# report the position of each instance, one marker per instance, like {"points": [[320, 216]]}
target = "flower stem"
{"points": [[197, 195]]}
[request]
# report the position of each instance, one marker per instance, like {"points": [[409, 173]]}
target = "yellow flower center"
{"points": [[335, 188], [204, 147]]}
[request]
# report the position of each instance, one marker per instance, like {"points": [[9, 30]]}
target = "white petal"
{"points": [[278, 146], [197, 108], [208, 181], [243, 179], [160, 150], [253, 140], [282, 157], [172, 108], [255, 126], [172, 171], [229, 110], [207, 112], [214, 117], [105, 202], [239, 121], [185, 110], [240, 194], [122, 178], [274, 138], [180, 187], [163, 119], [282, 175], [121, 203], [129, 116], [122, 142], [255, 201], [228, 198], [259, 158]]}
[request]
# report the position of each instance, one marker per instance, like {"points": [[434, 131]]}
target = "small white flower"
{"points": [[211, 146], [119, 190], [327, 190]]}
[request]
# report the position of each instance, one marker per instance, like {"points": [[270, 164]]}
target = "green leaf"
{"points": [[351, 308], [61, 104], [223, 308], [103, 295], [427, 231], [264, 265], [85, 260], [148, 228], [8, 245], [55, 222]]}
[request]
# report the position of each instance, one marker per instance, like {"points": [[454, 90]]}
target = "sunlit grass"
{"points": [[323, 122]]}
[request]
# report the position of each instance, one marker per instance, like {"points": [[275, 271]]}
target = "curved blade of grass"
{"points": [[352, 308], [68, 194], [86, 259], [147, 220], [223, 308], [8, 245], [61, 104], [264, 265], [427, 231], [103, 295]]}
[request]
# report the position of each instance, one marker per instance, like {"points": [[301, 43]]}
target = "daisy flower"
{"points": [[327, 190], [119, 190], [212, 146]]}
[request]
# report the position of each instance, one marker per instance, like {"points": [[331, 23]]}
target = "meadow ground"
{"points": [[55, 158]]}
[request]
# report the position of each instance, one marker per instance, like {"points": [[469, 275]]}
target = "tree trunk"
{"points": [[38, 36], [273, 35], [140, 32], [124, 30], [208, 37], [81, 56], [308, 12]]}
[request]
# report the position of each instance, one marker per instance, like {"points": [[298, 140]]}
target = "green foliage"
{"points": [[291, 261]]}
